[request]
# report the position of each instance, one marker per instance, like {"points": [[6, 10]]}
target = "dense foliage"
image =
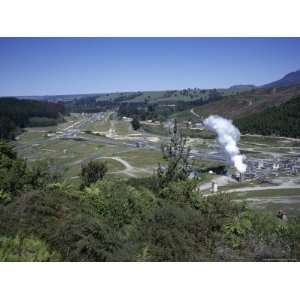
{"points": [[25, 249], [92, 172], [20, 113], [283, 120]]}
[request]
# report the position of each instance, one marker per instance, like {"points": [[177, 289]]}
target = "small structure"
{"points": [[214, 187], [238, 176], [241, 177]]}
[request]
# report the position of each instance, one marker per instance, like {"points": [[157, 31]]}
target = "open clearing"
{"points": [[84, 137]]}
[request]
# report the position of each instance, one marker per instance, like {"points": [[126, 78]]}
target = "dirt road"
{"points": [[129, 169], [195, 114]]}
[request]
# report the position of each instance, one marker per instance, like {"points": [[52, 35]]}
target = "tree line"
{"points": [[91, 104], [15, 113], [160, 110]]}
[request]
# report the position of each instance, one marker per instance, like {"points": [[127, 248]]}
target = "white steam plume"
{"points": [[228, 136]]}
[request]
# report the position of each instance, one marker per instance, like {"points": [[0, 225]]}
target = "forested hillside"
{"points": [[16, 113], [281, 121]]}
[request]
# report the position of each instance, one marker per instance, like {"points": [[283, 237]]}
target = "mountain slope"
{"points": [[288, 80], [246, 103], [283, 120]]}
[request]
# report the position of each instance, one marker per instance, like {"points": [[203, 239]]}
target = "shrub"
{"points": [[68, 224], [13, 173], [118, 203], [175, 233], [176, 154], [135, 124], [92, 172], [25, 249]]}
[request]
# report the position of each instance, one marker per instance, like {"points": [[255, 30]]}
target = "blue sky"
{"points": [[41, 66]]}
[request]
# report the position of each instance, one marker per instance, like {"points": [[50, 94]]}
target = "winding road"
{"points": [[129, 169], [195, 114]]}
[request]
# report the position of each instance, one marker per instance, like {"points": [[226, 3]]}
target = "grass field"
{"points": [[70, 154], [266, 193], [157, 130], [184, 116], [142, 157], [290, 205], [122, 128], [272, 200]]}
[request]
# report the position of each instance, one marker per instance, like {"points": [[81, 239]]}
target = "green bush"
{"points": [[25, 249], [92, 172], [174, 233], [119, 203], [13, 173], [62, 219], [135, 124]]}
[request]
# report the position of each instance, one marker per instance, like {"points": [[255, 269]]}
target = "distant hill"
{"points": [[246, 103], [283, 120], [189, 94], [288, 80], [242, 87]]}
